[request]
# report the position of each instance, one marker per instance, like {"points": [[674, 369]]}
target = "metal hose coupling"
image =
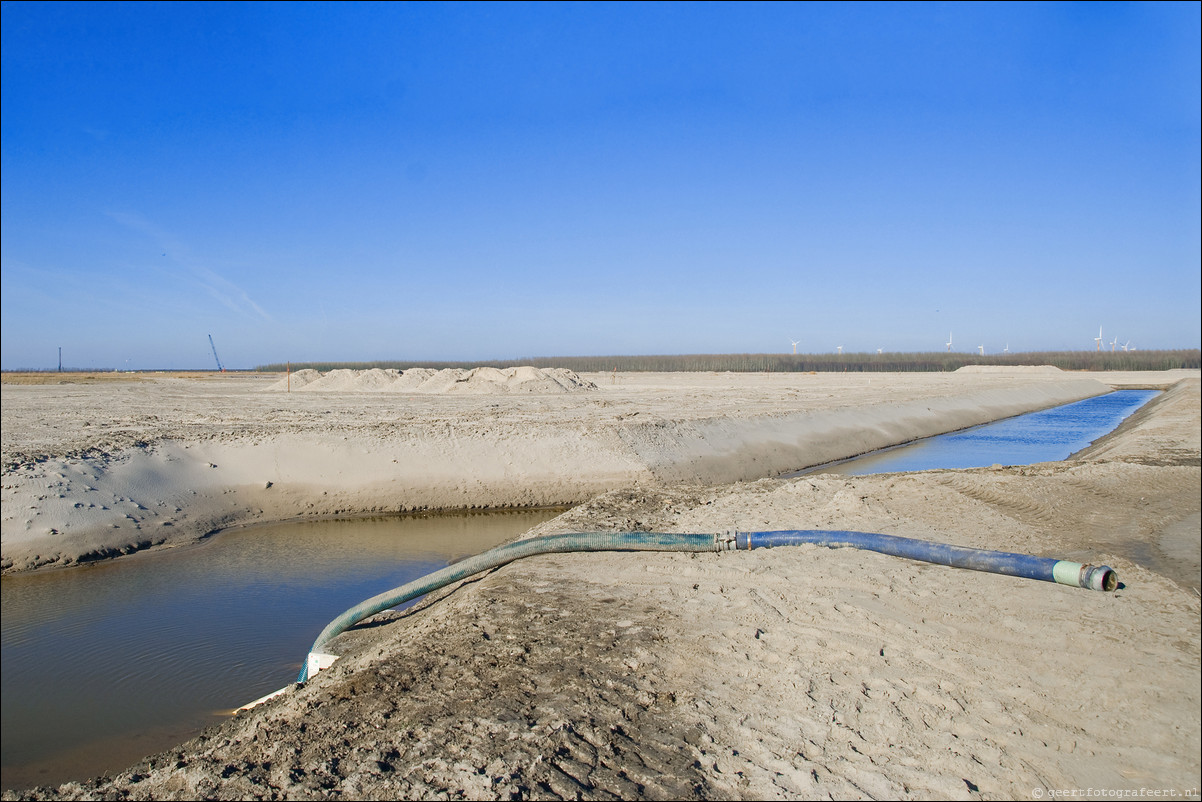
{"points": [[1090, 577], [726, 541]]}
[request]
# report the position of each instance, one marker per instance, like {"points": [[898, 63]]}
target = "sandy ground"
{"points": [[789, 673], [106, 468]]}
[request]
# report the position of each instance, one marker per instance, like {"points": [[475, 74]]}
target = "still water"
{"points": [[1045, 436], [105, 664]]}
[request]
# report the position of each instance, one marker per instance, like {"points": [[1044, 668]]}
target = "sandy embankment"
{"points": [[95, 471], [787, 673]]}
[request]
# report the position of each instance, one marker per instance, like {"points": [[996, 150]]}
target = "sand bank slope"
{"points": [[192, 461], [1009, 369], [1168, 430], [780, 674], [733, 449]]}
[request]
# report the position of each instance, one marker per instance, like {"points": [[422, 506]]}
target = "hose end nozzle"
{"points": [[1090, 577], [1099, 577]]}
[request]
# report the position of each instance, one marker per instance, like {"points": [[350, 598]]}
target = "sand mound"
{"points": [[296, 381], [567, 379], [477, 381], [411, 379], [334, 381], [377, 379], [1027, 369], [443, 380], [525, 379]]}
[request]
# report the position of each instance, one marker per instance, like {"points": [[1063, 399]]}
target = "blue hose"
{"points": [[1047, 569], [999, 562]]}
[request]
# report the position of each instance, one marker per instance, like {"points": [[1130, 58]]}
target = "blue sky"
{"points": [[421, 181]]}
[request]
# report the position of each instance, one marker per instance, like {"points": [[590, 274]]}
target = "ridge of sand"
{"points": [[777, 674], [358, 457], [1009, 369], [474, 381], [1165, 431]]}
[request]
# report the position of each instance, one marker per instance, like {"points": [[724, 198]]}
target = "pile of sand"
{"points": [[477, 381], [411, 379], [509, 380], [296, 380], [341, 381]]}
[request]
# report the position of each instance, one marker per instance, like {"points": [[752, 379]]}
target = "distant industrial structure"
{"points": [[220, 367]]}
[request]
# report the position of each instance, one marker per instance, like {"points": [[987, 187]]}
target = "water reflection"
{"points": [[107, 663], [1045, 436]]}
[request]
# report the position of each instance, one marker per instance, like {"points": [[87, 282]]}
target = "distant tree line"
{"points": [[800, 363]]}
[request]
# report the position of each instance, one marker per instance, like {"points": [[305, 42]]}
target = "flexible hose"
{"points": [[1047, 569], [502, 555], [1022, 565]]}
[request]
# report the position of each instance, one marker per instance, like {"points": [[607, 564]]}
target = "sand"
{"points": [[99, 470], [477, 381], [789, 673]]}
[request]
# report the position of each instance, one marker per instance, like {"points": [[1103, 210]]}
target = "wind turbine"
{"points": [[880, 351], [1126, 344], [1113, 343], [795, 342], [981, 348], [949, 341], [1098, 339], [1006, 350], [839, 348]]}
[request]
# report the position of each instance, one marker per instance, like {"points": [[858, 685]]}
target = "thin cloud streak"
{"points": [[224, 291]]}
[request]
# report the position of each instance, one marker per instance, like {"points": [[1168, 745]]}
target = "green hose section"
{"points": [[503, 555]]}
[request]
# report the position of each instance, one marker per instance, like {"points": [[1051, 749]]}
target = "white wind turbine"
{"points": [[1126, 344], [839, 348], [795, 342], [1006, 350], [880, 351], [949, 341], [1098, 339], [981, 348], [1113, 343]]}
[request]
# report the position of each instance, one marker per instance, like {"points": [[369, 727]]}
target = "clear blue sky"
{"points": [[361, 182]]}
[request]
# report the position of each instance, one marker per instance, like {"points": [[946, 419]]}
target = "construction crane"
{"points": [[220, 367]]}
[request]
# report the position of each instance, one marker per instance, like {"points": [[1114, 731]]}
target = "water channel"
{"points": [[108, 663], [1044, 436]]}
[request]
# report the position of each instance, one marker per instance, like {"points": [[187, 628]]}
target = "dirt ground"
{"points": [[787, 673]]}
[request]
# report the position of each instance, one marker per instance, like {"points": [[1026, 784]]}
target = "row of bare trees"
{"points": [[802, 363]]}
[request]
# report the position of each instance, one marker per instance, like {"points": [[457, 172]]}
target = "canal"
{"points": [[108, 663], [1045, 436]]}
